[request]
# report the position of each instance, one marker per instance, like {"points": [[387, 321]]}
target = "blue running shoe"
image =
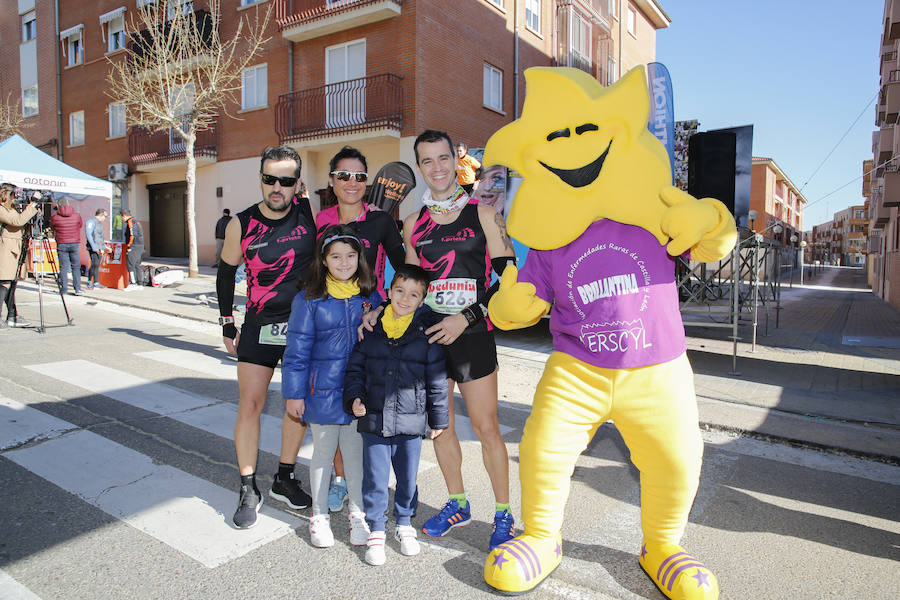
{"points": [[337, 494], [450, 516], [503, 528]]}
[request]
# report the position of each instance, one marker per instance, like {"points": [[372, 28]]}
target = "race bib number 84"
{"points": [[273, 334], [450, 296]]}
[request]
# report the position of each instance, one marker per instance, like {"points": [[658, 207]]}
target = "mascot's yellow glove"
{"points": [[704, 226], [516, 305]]}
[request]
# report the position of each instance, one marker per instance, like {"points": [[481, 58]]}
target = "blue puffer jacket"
{"points": [[320, 335], [402, 382]]}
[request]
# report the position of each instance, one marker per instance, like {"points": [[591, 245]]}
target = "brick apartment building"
{"points": [[884, 245], [777, 201], [843, 240], [369, 73]]}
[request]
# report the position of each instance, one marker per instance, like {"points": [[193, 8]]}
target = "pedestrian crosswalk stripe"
{"points": [[207, 414], [220, 368], [185, 512], [10, 589], [210, 365], [15, 430], [136, 391]]}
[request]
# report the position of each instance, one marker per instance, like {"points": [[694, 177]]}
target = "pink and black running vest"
{"points": [[456, 257], [378, 234], [276, 254]]}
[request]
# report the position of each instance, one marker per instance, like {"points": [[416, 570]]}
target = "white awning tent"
{"points": [[24, 166]]}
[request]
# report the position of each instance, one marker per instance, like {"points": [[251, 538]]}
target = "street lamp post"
{"points": [[793, 239], [802, 248]]}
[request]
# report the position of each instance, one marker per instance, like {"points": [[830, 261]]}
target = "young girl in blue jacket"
{"points": [[325, 315]]}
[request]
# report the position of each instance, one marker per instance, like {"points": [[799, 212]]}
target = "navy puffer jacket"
{"points": [[320, 335], [402, 382]]}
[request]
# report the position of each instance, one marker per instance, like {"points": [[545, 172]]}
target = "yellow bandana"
{"points": [[395, 327], [341, 289]]}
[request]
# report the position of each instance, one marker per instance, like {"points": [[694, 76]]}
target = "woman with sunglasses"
{"points": [[376, 229], [380, 238]]}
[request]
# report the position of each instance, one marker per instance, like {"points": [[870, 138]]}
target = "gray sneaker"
{"points": [[248, 507], [18, 322]]}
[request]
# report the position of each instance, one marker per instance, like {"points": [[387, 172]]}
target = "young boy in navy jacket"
{"points": [[396, 384]]}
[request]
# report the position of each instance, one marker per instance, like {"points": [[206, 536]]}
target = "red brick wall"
{"points": [[455, 39], [40, 128], [437, 47]]}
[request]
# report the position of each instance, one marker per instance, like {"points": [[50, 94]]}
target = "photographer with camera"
{"points": [[12, 222]]}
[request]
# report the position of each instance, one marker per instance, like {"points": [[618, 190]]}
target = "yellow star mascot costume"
{"points": [[604, 224]]}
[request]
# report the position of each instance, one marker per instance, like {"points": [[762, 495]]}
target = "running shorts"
{"points": [[473, 355]]}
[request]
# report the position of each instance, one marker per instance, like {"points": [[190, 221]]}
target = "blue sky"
{"points": [[799, 71]]}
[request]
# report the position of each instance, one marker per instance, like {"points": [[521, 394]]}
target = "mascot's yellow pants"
{"points": [[655, 410]]}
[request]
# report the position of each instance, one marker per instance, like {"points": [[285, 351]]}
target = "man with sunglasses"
{"points": [[275, 239]]}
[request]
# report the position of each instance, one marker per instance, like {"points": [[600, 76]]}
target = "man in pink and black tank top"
{"points": [[275, 239], [457, 241]]}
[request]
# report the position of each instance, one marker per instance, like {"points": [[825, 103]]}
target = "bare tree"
{"points": [[179, 74], [11, 120]]}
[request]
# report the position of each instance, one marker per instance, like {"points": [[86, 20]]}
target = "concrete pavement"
{"points": [[828, 376]]}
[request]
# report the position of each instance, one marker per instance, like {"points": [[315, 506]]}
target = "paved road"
{"points": [[116, 450]]}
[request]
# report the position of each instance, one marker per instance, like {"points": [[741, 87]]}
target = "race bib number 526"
{"points": [[450, 296]]}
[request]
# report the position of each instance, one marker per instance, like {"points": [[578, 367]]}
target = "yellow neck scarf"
{"points": [[394, 327], [341, 289]]}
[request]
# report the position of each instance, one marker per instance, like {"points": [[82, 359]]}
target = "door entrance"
{"points": [[168, 231]]}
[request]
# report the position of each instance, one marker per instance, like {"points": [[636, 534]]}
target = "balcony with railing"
{"points": [[892, 97], [364, 105], [881, 214], [162, 147], [885, 143], [892, 22], [891, 188], [301, 20]]}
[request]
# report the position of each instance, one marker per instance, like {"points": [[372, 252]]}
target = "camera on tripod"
{"points": [[26, 197]]}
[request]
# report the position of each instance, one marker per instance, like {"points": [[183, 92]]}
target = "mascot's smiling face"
{"points": [[584, 153]]}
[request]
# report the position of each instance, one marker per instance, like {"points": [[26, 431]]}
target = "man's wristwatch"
{"points": [[226, 320]]}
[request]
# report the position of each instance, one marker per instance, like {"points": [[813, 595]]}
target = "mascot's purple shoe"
{"points": [[523, 562]]}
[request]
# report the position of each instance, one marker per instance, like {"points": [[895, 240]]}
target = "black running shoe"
{"points": [[289, 492], [248, 506]]}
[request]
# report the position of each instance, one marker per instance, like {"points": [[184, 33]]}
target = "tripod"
{"points": [[44, 250]]}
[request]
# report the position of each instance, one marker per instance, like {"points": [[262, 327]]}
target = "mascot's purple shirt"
{"points": [[615, 304]]}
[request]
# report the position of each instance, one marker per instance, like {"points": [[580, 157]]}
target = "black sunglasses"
{"points": [[284, 181], [360, 176]]}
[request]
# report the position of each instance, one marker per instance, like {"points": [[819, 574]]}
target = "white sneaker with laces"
{"points": [[406, 535], [359, 529], [320, 534], [375, 549]]}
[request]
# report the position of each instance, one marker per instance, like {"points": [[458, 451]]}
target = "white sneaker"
{"points": [[359, 529], [375, 549], [320, 534], [406, 535]]}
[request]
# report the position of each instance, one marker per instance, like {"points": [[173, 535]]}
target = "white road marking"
{"points": [[10, 589], [204, 413], [220, 368], [17, 428], [185, 512], [464, 430], [807, 508]]}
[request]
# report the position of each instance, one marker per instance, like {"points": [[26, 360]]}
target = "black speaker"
{"points": [[711, 166]]}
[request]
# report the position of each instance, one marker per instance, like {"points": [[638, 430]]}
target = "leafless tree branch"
{"points": [[179, 74]]}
